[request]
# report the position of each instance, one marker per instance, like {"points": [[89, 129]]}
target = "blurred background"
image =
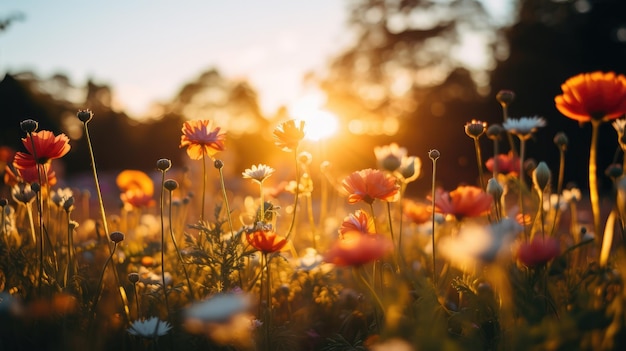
{"points": [[362, 73]]}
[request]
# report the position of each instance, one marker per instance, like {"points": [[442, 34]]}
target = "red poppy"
{"points": [[201, 138], [47, 148], [355, 249], [464, 201], [30, 175], [596, 95], [358, 221], [266, 241], [417, 213], [539, 251], [288, 135], [507, 164], [370, 184]]}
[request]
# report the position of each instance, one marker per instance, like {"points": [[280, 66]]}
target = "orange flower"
{"points": [[14, 175], [416, 212], [266, 241], [507, 164], [358, 221], [464, 201], [539, 251], [288, 135], [355, 249], [370, 184], [137, 188], [597, 95], [47, 148], [200, 138]]}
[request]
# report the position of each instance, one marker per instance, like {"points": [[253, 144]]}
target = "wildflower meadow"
{"points": [[202, 256]]}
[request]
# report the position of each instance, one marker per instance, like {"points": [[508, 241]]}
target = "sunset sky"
{"points": [[146, 49]]}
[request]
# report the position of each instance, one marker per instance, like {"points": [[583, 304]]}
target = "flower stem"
{"points": [[479, 162], [203, 186], [163, 248], [296, 195], [180, 257], [432, 200], [593, 181]]}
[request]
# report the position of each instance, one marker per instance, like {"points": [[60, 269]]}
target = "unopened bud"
{"points": [[29, 125], [84, 115], [164, 164]]}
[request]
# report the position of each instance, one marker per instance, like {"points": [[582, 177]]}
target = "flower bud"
{"points": [[505, 97], [133, 277], [68, 204], [494, 131], [219, 164], [36, 187], [164, 164], [3, 202], [614, 171], [541, 176], [561, 141], [170, 184], [84, 115], [434, 154], [117, 237], [494, 189], [475, 128], [29, 125]]}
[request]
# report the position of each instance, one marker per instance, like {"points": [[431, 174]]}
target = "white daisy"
{"points": [[523, 127], [258, 173], [149, 328], [389, 157]]}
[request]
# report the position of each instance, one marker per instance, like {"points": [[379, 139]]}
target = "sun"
{"points": [[319, 123]]}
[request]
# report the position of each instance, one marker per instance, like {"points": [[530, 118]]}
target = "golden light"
{"points": [[320, 124]]}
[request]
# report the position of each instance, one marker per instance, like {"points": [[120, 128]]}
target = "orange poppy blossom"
{"points": [[266, 240], [201, 138], [47, 147], [369, 184], [358, 221], [464, 201], [14, 175], [137, 188], [596, 95], [355, 248], [507, 164], [417, 213], [538, 252], [287, 135]]}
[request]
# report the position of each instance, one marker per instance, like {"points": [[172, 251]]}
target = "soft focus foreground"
{"points": [[292, 256]]}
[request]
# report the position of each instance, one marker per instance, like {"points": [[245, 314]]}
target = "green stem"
{"points": [[522, 185], [203, 186], [223, 186], [559, 189], [167, 306], [297, 193], [358, 274], [432, 200], [479, 162], [180, 257]]}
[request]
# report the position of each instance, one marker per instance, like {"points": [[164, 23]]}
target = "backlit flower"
{"points": [[137, 188], [464, 201], [506, 164], [389, 157], [539, 251], [358, 221], [410, 169], [29, 175], [355, 249], [259, 173], [149, 328], [288, 134], [596, 95], [266, 241], [370, 184], [523, 127], [47, 147], [417, 213], [201, 138]]}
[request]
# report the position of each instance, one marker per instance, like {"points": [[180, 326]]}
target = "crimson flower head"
{"points": [[266, 241], [288, 134], [355, 248], [593, 96], [370, 184], [539, 251], [14, 175], [201, 138], [358, 221], [464, 201], [47, 147], [506, 163]]}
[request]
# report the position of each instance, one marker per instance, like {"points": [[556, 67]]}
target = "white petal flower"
{"points": [[258, 173], [219, 308], [149, 328], [389, 157], [523, 127]]}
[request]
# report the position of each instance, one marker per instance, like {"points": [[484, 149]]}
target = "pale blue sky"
{"points": [[146, 49]]}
